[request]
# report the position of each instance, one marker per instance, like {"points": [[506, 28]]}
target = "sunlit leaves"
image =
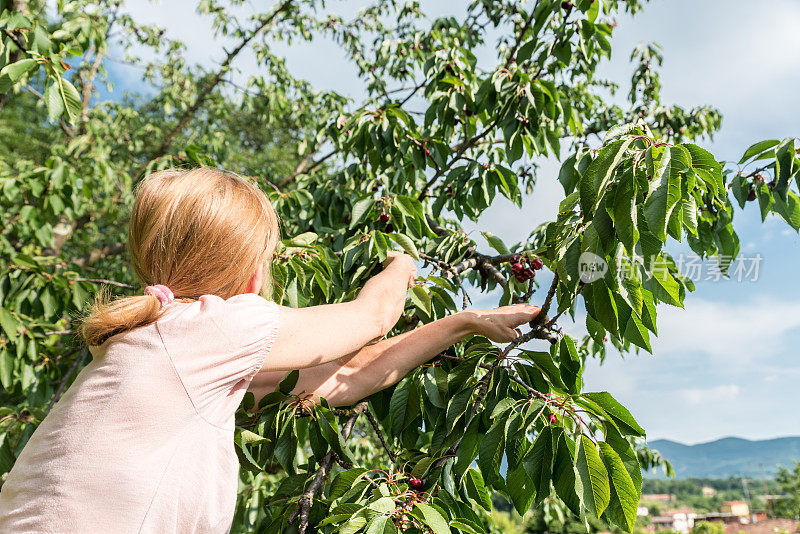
{"points": [[438, 141]]}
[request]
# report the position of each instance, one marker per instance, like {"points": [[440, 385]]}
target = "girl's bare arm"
{"points": [[319, 334], [375, 367]]}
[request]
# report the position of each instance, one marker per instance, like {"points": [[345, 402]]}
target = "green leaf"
{"points": [[13, 72], [789, 209], [404, 406], [288, 382], [599, 173], [521, 488], [379, 525], [565, 482], [406, 244], [71, 99], [568, 176], [594, 477], [55, 106], [624, 213], [490, 450], [344, 481], [496, 243], [765, 200], [665, 189], [476, 489], [784, 168], [6, 369], [456, 407], [433, 518], [603, 306], [545, 363], [360, 209], [617, 411], [539, 463], [9, 323], [465, 525], [624, 498], [627, 454], [421, 299], [330, 431], [757, 149]]}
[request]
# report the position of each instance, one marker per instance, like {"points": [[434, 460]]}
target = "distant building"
{"points": [[732, 522], [642, 511], [738, 508], [708, 491], [661, 497], [769, 526], [680, 520]]}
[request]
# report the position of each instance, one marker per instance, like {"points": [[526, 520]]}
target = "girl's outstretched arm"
{"points": [[375, 367], [319, 334]]}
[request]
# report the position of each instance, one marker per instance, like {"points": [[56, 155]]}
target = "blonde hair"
{"points": [[199, 231]]}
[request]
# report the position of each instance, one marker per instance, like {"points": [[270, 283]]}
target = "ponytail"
{"points": [[112, 317], [199, 232]]}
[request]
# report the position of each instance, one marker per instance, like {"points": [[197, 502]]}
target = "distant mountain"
{"points": [[728, 457]]}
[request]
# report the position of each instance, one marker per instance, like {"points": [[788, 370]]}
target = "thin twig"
{"points": [[215, 80], [304, 167], [376, 428], [518, 40], [103, 281], [307, 499]]}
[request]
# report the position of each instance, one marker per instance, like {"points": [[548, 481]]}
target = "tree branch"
{"points": [[377, 430], [215, 80], [15, 39], [307, 499], [103, 281], [518, 40], [305, 167], [98, 254]]}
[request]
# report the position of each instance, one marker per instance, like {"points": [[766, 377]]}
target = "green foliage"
{"points": [[437, 140], [788, 481]]}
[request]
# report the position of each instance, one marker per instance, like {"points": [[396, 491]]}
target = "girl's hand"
{"points": [[500, 324], [401, 262]]}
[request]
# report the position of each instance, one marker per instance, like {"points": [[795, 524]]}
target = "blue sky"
{"points": [[726, 364]]}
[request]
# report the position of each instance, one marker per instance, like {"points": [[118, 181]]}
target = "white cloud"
{"points": [[716, 394], [736, 334]]}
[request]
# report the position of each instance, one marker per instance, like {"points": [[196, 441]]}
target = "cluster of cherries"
{"points": [[384, 218], [520, 271]]}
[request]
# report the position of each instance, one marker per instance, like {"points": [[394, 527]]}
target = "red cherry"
{"points": [[605, 339], [537, 264], [516, 258], [566, 5], [384, 218], [416, 484], [520, 277], [517, 268], [528, 273], [553, 419]]}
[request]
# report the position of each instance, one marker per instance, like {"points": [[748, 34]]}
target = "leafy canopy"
{"points": [[438, 138]]}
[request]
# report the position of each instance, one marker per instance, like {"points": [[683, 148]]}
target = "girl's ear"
{"points": [[256, 281]]}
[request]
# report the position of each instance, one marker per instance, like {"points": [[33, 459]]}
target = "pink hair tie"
{"points": [[162, 293]]}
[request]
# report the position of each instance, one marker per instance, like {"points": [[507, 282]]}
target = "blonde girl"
{"points": [[142, 441]]}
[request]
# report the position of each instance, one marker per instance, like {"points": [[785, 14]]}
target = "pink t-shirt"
{"points": [[143, 439]]}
